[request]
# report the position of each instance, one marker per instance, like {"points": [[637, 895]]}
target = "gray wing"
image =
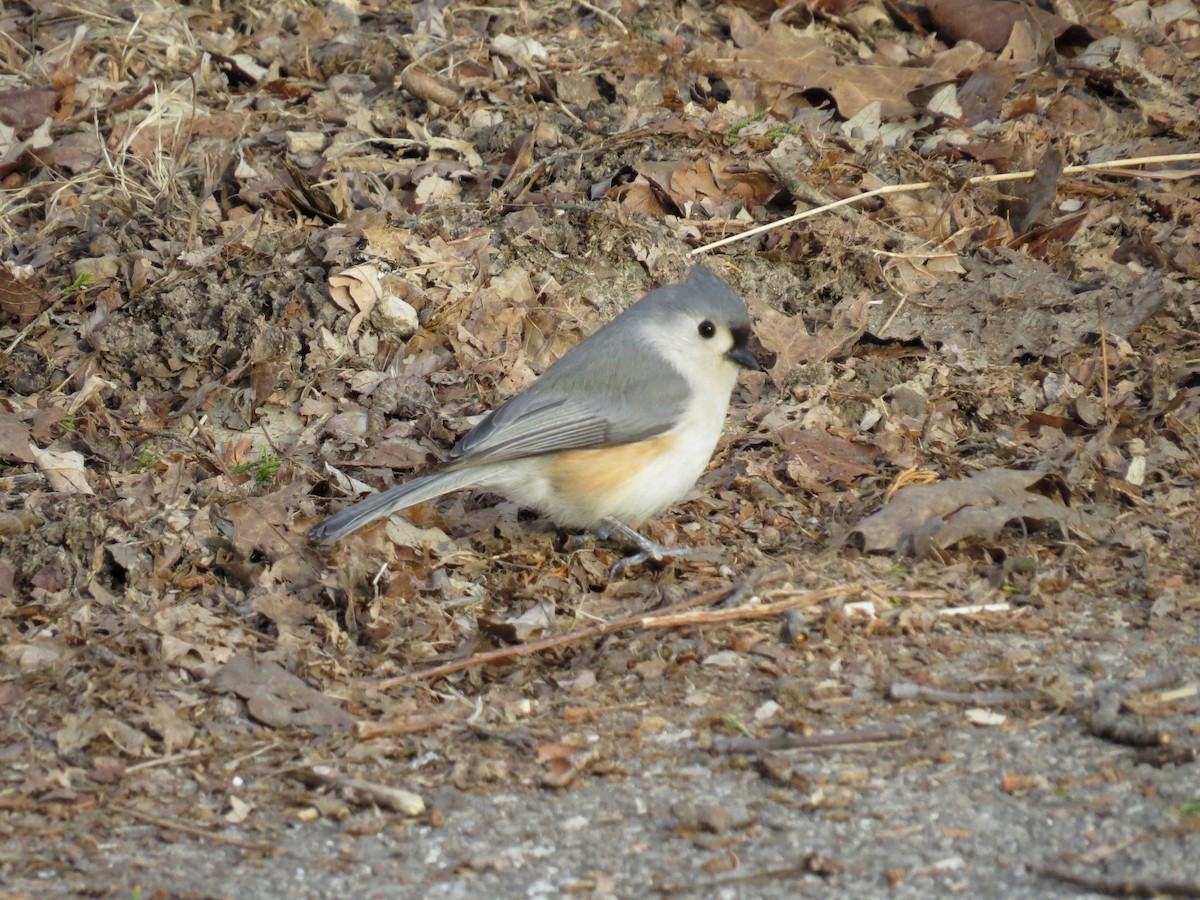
{"points": [[608, 390]]}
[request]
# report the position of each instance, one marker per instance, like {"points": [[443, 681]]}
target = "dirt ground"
{"points": [[940, 629]]}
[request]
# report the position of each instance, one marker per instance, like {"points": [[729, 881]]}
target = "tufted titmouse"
{"points": [[613, 433]]}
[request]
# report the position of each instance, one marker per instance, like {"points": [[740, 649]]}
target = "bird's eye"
{"points": [[707, 329]]}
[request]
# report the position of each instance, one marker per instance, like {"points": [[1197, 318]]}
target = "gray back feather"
{"points": [[613, 388]]}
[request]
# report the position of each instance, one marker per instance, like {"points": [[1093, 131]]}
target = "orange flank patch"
{"points": [[590, 475]]}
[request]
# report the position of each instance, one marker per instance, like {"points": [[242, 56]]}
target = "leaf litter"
{"points": [[255, 264]]}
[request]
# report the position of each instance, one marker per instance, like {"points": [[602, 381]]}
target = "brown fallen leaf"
{"points": [[926, 517], [80, 729], [276, 697], [790, 59], [75, 153], [718, 182], [64, 470], [166, 722], [563, 763], [788, 339], [1028, 200], [26, 108], [289, 613], [356, 290], [990, 23], [22, 296], [535, 621], [424, 84], [983, 93], [1015, 306], [258, 524], [817, 459], [15, 445]]}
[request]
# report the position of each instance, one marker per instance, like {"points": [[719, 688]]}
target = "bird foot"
{"points": [[647, 549]]}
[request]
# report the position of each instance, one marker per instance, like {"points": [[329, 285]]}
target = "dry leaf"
{"points": [[64, 470], [788, 339], [356, 290], [276, 697], [940, 515], [1018, 307], [535, 621], [15, 445]]}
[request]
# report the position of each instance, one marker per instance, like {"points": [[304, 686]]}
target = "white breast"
{"points": [[627, 485], [666, 480]]}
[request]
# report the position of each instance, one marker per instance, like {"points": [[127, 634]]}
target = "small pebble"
{"points": [[395, 316]]}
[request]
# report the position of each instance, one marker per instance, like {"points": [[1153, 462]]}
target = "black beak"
{"points": [[740, 354]]}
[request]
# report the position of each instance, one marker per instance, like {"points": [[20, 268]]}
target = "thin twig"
{"points": [[165, 760], [195, 830], [1103, 352], [521, 740], [754, 583], [917, 596], [903, 690], [550, 643], [925, 185], [830, 739], [604, 14], [974, 609], [384, 795], [364, 730], [750, 610], [895, 312], [1115, 886], [41, 319], [1105, 719], [707, 886]]}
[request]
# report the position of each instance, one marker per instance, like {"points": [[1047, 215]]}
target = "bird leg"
{"points": [[646, 548]]}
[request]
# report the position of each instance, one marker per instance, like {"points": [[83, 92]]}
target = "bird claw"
{"points": [[647, 550], [636, 559]]}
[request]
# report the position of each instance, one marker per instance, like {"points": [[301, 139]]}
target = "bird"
{"points": [[610, 435]]}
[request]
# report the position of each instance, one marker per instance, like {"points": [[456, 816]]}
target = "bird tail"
{"points": [[412, 492]]}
